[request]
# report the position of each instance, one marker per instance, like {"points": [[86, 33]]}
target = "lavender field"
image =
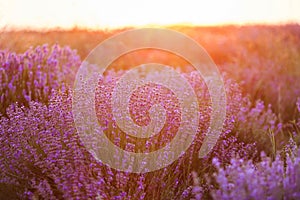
{"points": [[256, 157]]}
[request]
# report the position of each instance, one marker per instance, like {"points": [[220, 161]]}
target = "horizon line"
{"points": [[150, 25]]}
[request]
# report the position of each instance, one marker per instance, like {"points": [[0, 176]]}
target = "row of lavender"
{"points": [[41, 155]]}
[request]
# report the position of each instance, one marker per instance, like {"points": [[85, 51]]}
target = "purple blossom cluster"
{"points": [[267, 179], [139, 107], [33, 75], [41, 155], [258, 124]]}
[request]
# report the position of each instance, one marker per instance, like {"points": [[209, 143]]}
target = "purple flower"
{"points": [[23, 77]]}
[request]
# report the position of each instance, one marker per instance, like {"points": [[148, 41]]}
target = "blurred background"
{"points": [[114, 13]]}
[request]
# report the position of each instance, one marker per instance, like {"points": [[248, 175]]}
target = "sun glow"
{"points": [[114, 13]]}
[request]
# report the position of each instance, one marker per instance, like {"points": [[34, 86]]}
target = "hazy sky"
{"points": [[112, 13]]}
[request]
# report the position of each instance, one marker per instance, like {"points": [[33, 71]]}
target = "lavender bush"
{"points": [[41, 155], [33, 75], [258, 124], [244, 179]]}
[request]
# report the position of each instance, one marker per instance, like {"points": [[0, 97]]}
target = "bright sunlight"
{"points": [[114, 13]]}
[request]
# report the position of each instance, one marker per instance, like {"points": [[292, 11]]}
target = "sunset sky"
{"points": [[115, 13]]}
